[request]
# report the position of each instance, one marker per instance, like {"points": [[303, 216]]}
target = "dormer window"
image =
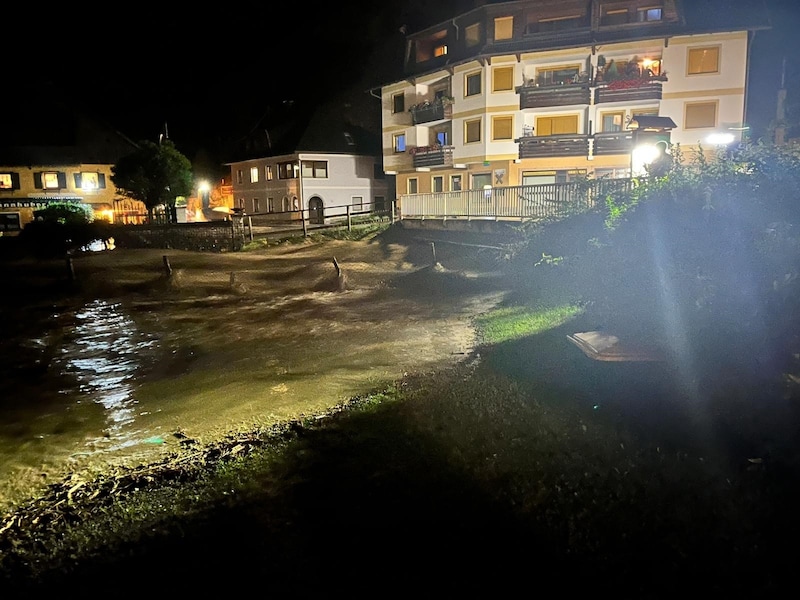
{"points": [[557, 24], [617, 16], [503, 28], [472, 34], [431, 46], [648, 14]]}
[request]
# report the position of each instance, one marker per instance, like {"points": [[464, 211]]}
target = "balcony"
{"points": [[532, 146], [616, 142], [629, 90], [532, 95], [439, 109], [432, 156]]}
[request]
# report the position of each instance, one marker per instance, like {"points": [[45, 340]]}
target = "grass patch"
{"points": [[514, 322]]}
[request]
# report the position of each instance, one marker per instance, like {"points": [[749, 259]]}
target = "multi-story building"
{"points": [[61, 156], [546, 91], [314, 165]]}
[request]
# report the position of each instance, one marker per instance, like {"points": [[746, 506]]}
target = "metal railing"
{"points": [[542, 201]]}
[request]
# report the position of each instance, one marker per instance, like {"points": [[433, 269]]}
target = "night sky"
{"points": [[209, 76]]}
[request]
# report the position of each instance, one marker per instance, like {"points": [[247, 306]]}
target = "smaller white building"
{"points": [[316, 166]]}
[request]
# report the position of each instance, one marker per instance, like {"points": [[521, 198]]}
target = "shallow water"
{"points": [[116, 382]]}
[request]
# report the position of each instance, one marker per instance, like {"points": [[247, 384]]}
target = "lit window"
{"points": [[268, 172], [503, 28], [472, 35], [50, 181], [440, 50], [89, 181], [399, 142], [472, 84], [700, 114], [703, 60], [5, 181], [413, 185], [253, 174], [398, 103], [317, 169], [503, 79], [472, 131]]}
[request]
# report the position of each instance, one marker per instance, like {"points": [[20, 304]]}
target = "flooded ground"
{"points": [[152, 349]]}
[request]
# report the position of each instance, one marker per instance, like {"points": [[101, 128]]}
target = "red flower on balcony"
{"points": [[414, 150]]}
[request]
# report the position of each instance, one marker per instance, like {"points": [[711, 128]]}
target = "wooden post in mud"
{"points": [[338, 268], [433, 252], [303, 219], [70, 269], [167, 267], [250, 227]]}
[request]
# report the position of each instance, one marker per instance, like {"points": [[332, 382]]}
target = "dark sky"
{"points": [[209, 75]]}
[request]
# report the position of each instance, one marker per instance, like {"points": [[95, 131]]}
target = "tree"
{"points": [[62, 228], [155, 174]]}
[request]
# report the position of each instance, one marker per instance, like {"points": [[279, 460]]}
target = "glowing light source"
{"points": [[641, 156]]}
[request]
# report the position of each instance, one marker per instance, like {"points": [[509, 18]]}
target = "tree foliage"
{"points": [[706, 257], [62, 228], [156, 174]]}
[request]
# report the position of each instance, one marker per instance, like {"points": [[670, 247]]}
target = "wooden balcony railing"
{"points": [[618, 142], [435, 110], [537, 96], [628, 90], [432, 156], [534, 146]]}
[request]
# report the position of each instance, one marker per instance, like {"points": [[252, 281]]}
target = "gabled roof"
{"points": [[334, 128], [43, 131]]}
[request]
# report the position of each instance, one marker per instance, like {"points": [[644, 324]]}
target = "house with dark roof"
{"points": [[321, 162], [52, 153]]}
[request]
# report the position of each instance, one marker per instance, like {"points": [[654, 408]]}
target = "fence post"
{"points": [[349, 223], [393, 207], [250, 226], [303, 219]]}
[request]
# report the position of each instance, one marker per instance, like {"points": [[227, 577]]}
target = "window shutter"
{"points": [[101, 181], [37, 180], [62, 180], [78, 179], [15, 181]]}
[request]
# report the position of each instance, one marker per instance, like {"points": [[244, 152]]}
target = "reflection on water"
{"points": [[104, 353], [69, 393]]}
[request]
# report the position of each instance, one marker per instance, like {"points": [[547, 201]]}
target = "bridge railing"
{"points": [[541, 201]]}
